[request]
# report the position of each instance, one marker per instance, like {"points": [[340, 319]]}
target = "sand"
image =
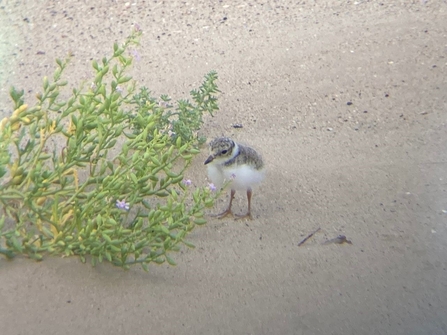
{"points": [[346, 101]]}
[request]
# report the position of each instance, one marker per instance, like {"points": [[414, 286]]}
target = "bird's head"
{"points": [[221, 150]]}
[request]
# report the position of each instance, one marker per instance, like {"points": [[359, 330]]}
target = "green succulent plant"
{"points": [[101, 174]]}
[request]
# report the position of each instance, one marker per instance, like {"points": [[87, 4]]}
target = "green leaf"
{"points": [[159, 260], [36, 257], [155, 161], [107, 238], [17, 96], [115, 70], [199, 221], [172, 174], [74, 119], [123, 80], [164, 229], [95, 65], [170, 260], [45, 83], [178, 142], [134, 178], [16, 244], [111, 144], [188, 244]]}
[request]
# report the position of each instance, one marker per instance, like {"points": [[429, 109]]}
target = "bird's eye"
{"points": [[224, 152]]}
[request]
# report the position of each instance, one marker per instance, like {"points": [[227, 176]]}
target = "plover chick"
{"points": [[239, 165]]}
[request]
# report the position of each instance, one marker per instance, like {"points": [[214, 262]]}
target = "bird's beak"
{"points": [[209, 159]]}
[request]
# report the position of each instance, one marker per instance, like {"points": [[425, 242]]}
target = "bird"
{"points": [[238, 165]]}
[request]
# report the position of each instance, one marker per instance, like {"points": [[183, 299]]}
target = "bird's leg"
{"points": [[228, 210], [248, 215]]}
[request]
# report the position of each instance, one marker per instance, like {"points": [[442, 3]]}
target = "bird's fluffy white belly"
{"points": [[242, 177]]}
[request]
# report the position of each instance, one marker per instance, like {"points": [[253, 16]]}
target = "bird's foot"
{"points": [[223, 214], [244, 216]]}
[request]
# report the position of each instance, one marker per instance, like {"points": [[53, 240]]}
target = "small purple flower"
{"points": [[212, 187], [135, 55], [187, 182], [119, 90], [122, 205], [233, 176], [137, 27]]}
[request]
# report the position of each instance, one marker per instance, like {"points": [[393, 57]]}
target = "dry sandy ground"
{"points": [[375, 170]]}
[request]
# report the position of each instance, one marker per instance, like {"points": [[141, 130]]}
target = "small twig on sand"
{"points": [[308, 237]]}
